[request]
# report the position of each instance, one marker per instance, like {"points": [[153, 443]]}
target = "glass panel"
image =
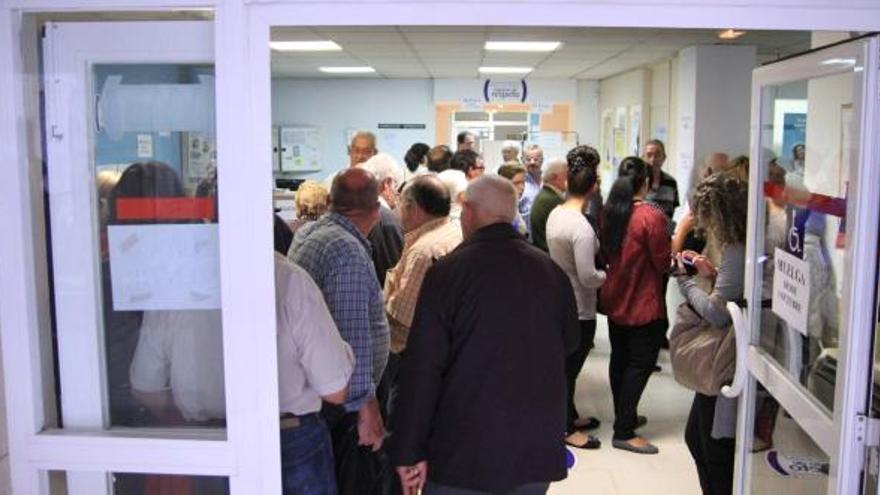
{"points": [[471, 116], [159, 328], [510, 117], [512, 132], [806, 140], [789, 463], [81, 483]]}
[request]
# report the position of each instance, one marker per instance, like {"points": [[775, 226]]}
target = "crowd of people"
{"points": [[410, 342]]}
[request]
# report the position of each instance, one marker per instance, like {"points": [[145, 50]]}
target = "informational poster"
{"points": [[791, 290], [551, 143], [164, 267], [635, 129], [200, 154], [300, 149], [794, 131], [145, 146]]}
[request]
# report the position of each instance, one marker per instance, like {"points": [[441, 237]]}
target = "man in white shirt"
{"points": [[314, 364]]}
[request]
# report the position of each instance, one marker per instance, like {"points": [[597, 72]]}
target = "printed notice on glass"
{"points": [[164, 267], [791, 290]]}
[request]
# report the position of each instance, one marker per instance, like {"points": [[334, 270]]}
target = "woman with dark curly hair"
{"points": [[636, 244], [720, 206]]}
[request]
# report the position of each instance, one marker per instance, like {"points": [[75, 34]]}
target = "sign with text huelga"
{"points": [[505, 91], [791, 289]]}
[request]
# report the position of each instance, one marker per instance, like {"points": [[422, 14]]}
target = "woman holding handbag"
{"points": [[720, 206], [635, 243]]}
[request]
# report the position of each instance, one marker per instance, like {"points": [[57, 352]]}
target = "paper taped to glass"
{"points": [[161, 267]]}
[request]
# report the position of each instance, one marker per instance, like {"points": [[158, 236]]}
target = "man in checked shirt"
{"points": [[335, 251]]}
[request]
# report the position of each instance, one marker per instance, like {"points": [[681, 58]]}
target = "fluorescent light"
{"points": [[304, 46], [730, 34], [505, 70], [347, 70], [522, 46], [839, 61]]}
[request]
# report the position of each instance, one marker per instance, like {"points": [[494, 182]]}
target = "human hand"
{"points": [[413, 478], [371, 431], [704, 266]]}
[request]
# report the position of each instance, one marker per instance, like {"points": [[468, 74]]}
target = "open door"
{"points": [[806, 421]]}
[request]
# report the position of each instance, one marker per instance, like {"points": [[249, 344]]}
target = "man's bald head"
{"points": [[489, 199], [354, 193]]}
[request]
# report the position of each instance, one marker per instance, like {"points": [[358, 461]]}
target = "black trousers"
{"points": [[713, 457], [573, 364], [634, 352]]}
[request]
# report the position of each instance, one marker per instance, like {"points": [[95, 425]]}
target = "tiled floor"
{"points": [[610, 471]]}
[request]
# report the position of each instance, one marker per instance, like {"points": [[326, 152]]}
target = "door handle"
{"points": [[741, 337]]}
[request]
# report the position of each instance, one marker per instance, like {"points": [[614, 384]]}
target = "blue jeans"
{"points": [[307, 466]]}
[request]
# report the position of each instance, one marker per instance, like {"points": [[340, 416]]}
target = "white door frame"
{"points": [[243, 111], [838, 434]]}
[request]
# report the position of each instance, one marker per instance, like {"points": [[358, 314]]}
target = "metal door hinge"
{"points": [[868, 430]]}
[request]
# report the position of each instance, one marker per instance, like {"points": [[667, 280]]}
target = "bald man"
{"points": [[482, 382], [334, 250]]}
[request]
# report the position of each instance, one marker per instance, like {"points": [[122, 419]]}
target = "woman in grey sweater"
{"points": [[720, 206], [573, 245]]}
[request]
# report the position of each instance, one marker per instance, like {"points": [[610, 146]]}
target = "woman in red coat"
{"points": [[636, 245]]}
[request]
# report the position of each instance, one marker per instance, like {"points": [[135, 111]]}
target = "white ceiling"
{"points": [[456, 52]]}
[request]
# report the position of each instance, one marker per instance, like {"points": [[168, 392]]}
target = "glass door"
{"points": [[810, 278], [142, 370]]}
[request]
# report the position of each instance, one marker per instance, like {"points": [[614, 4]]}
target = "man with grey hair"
{"points": [[510, 152], [533, 160], [477, 368], [550, 196], [386, 238]]}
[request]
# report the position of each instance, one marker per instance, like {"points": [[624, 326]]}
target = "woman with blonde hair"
{"points": [[311, 201]]}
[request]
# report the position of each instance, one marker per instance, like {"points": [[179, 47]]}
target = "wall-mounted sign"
{"points": [[791, 289], [401, 126], [471, 104], [505, 91]]}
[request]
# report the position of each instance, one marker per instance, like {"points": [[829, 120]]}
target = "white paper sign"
{"points": [[145, 146], [164, 266], [472, 104], [791, 289]]}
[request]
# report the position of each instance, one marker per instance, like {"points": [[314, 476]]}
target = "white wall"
{"points": [[337, 105], [714, 96], [586, 112], [538, 90]]}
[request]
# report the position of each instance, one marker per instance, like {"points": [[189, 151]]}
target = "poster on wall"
{"points": [[200, 154], [635, 129], [300, 149], [794, 131]]}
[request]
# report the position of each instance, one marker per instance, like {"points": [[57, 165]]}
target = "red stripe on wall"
{"points": [[165, 208]]}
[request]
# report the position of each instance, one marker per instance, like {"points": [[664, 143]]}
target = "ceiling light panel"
{"points": [[522, 46], [305, 46], [505, 70], [347, 70]]}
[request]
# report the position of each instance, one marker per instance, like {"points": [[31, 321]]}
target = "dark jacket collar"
{"points": [[493, 232]]}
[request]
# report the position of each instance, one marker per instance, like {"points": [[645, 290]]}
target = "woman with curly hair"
{"points": [[720, 206], [636, 244], [311, 201], [573, 245]]}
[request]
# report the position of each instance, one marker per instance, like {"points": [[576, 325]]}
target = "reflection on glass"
{"points": [[74, 483], [793, 464], [156, 187], [805, 145]]}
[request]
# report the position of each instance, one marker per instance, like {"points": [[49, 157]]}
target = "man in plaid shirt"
{"points": [[335, 251]]}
